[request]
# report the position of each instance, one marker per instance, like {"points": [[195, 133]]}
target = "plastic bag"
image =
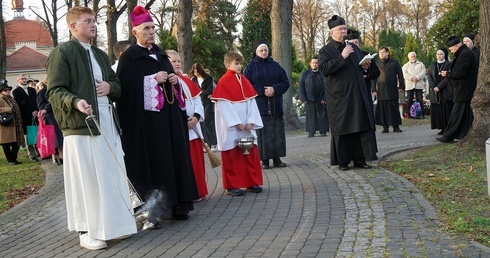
{"points": [[45, 139]]}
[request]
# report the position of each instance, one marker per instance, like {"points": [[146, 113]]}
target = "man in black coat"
{"points": [[25, 97], [389, 84], [348, 103], [462, 78], [154, 124], [312, 94], [372, 72]]}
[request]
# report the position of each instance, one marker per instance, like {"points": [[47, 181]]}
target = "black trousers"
{"points": [[11, 150], [208, 127]]}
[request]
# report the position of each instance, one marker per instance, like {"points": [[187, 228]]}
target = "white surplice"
{"points": [[228, 115]]}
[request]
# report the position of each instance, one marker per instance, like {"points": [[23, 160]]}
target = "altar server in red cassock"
{"points": [[237, 116], [195, 115]]}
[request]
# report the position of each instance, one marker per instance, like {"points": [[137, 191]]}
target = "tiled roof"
{"points": [[26, 59], [23, 30]]}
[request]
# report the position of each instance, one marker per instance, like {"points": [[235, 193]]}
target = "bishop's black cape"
{"points": [[156, 144]]}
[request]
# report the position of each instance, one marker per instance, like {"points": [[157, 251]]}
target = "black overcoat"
{"points": [[156, 144], [390, 80], [348, 104], [463, 74], [27, 104], [436, 80]]}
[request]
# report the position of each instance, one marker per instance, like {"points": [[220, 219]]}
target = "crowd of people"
{"points": [[168, 117]]}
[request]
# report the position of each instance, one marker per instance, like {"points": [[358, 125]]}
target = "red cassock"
{"points": [[196, 147]]}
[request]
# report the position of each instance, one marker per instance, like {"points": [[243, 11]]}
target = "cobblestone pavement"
{"points": [[307, 209]]}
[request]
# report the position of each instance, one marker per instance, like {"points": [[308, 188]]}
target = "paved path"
{"points": [[307, 209]]}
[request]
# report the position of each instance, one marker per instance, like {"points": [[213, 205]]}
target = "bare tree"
{"points": [[50, 18], [113, 13], [480, 130], [166, 15], [3, 45], [281, 25], [418, 14], [184, 35], [307, 18]]}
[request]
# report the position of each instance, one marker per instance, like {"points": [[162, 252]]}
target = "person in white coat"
{"points": [[414, 74]]}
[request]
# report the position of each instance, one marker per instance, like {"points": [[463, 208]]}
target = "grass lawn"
{"points": [[453, 178], [19, 182]]}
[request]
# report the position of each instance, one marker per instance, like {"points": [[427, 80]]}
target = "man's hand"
{"points": [[366, 65], [161, 77], [102, 88], [347, 50], [443, 73], [84, 107], [172, 78]]}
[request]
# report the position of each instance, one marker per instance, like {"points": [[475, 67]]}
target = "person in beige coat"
{"points": [[11, 136], [414, 74]]}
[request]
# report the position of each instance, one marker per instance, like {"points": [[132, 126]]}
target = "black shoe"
{"points": [[33, 159], [265, 166], [397, 130], [311, 135], [362, 165], [280, 165], [385, 131], [343, 168], [156, 225], [255, 189], [445, 140], [235, 192], [181, 216], [13, 163], [441, 132]]}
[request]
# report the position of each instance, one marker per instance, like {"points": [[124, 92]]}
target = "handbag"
{"points": [[32, 133], [6, 119], [45, 139]]}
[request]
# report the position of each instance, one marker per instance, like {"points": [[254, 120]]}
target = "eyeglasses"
{"points": [[88, 22]]}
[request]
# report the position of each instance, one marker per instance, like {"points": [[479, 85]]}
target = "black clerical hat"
{"points": [[335, 21], [352, 34], [451, 41]]}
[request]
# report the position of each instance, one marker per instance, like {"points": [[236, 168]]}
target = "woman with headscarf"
{"points": [[441, 94], [11, 136], [270, 81]]}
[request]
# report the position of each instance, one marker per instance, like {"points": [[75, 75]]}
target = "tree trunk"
{"points": [[184, 34], [112, 17], [480, 131], [131, 4], [3, 45], [281, 25]]}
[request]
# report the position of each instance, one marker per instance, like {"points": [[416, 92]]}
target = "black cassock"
{"points": [[156, 144], [348, 106]]}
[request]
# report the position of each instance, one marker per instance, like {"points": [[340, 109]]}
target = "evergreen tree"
{"points": [[167, 41], [209, 50], [461, 19], [256, 24], [395, 41], [410, 46]]}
